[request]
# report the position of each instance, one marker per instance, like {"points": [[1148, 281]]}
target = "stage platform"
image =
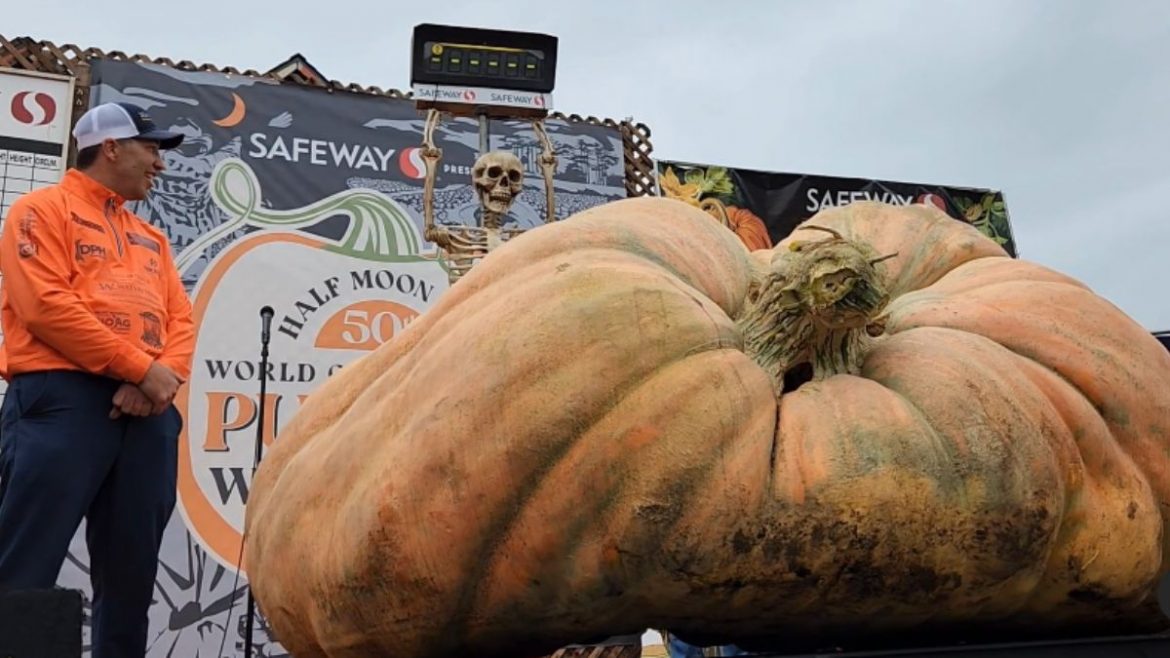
{"points": [[1145, 646]]}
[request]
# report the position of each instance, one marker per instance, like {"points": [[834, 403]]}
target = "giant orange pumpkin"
{"points": [[627, 420]]}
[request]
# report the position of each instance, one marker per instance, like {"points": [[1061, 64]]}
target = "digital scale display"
{"points": [[483, 61], [447, 55]]}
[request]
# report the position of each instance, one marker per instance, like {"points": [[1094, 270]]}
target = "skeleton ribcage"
{"points": [[470, 244]]}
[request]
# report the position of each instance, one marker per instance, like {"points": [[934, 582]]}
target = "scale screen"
{"points": [[521, 61]]}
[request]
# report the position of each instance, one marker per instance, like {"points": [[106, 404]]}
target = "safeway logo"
{"points": [[411, 163], [484, 95], [33, 108], [515, 99]]}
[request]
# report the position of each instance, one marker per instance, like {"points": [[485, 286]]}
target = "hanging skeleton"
{"points": [[498, 177]]}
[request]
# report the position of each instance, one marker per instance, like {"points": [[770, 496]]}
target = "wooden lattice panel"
{"points": [[640, 175], [33, 55]]}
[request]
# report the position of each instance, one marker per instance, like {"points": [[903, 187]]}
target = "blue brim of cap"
{"points": [[165, 139]]}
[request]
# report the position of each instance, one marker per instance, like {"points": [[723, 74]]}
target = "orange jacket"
{"points": [[87, 285]]}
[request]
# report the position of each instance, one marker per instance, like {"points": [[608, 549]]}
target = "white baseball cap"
{"points": [[121, 121]]}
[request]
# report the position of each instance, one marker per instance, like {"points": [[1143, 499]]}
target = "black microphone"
{"points": [[266, 320], [266, 317]]}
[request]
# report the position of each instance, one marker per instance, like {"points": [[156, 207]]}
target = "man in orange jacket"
{"points": [[98, 338]]}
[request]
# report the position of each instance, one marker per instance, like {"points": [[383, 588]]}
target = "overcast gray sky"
{"points": [[1062, 104]]}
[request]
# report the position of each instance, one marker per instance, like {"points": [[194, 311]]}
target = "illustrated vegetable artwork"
{"points": [[748, 227], [715, 181], [627, 420], [742, 222]]}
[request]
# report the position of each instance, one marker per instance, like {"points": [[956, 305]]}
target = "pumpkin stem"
{"points": [[818, 303], [832, 232]]}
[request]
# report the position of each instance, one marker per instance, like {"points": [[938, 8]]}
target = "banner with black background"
{"points": [[310, 202], [780, 201]]}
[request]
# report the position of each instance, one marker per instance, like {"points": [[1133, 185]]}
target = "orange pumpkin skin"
{"points": [[579, 440], [750, 228]]}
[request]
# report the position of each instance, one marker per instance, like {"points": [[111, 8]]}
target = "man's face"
{"points": [[135, 165]]}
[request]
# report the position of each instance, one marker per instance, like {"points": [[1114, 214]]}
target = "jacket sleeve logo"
{"points": [[151, 329], [24, 242]]}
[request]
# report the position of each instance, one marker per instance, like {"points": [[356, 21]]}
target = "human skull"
{"points": [[498, 178]]}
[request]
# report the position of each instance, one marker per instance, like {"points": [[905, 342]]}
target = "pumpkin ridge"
{"points": [[1094, 467], [601, 514], [667, 232], [1059, 533], [458, 623], [858, 492], [639, 486], [448, 320], [931, 338], [920, 297], [928, 427], [978, 273], [1025, 358], [463, 609], [1101, 363], [938, 230], [719, 341], [1121, 457], [1005, 467], [936, 297], [671, 231], [956, 450], [1113, 473]]}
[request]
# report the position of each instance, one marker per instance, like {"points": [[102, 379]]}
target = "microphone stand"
{"points": [[266, 324]]}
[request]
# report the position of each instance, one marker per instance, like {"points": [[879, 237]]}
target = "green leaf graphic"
{"points": [[379, 229], [718, 182]]}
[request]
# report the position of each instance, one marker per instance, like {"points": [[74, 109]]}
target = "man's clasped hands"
{"points": [[151, 396]]}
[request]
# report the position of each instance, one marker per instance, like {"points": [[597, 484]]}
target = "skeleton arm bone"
{"points": [[431, 155], [548, 164]]}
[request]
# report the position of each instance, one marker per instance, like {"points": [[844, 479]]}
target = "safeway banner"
{"points": [[309, 202], [776, 202]]}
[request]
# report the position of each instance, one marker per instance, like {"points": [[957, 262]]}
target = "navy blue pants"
{"points": [[62, 459]]}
